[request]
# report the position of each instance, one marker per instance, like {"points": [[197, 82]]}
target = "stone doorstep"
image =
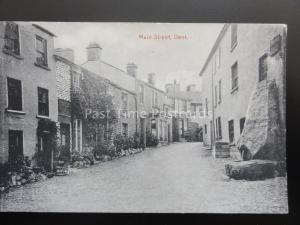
{"points": [[255, 169]]}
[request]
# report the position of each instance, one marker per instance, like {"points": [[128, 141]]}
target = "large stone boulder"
{"points": [[262, 135], [254, 169]]}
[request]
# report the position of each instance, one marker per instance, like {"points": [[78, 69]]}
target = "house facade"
{"points": [[74, 81], [148, 98], [27, 87], [153, 108], [242, 58], [187, 107]]}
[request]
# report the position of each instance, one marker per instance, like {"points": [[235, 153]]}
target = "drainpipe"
{"points": [[283, 117], [136, 106], [2, 88], [213, 111], [136, 114], [174, 92]]}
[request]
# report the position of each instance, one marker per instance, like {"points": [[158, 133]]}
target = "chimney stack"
{"points": [[94, 52], [66, 53], [191, 88], [151, 78], [170, 88], [132, 69]]}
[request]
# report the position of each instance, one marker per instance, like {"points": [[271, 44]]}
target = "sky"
{"points": [[170, 59]]}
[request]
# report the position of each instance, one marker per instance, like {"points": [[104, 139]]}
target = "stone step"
{"points": [[255, 169]]}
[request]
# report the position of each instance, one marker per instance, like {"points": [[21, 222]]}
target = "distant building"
{"points": [[27, 88], [153, 103], [188, 107], [243, 60]]}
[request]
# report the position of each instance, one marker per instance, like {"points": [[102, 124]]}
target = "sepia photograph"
{"points": [[132, 117]]}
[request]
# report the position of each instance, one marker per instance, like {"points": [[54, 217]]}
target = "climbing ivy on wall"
{"points": [[93, 104]]}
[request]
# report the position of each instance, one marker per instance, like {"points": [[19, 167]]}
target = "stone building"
{"points": [[153, 107], [149, 99], [74, 80], [188, 110], [244, 89], [27, 88]]}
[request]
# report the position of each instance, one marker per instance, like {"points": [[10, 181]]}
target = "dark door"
{"points": [[45, 150], [15, 143]]}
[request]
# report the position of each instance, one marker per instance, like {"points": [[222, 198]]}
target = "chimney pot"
{"points": [[191, 88], [132, 69], [94, 52], [151, 78]]}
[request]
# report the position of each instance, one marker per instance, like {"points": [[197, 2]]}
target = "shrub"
{"points": [[136, 141], [151, 140], [105, 148], [118, 142]]}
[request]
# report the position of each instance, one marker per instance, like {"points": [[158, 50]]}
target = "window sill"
{"points": [[64, 115], [42, 117], [234, 89], [11, 54], [233, 47], [15, 111], [42, 66]]}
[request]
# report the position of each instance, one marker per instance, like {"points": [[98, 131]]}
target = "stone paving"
{"points": [[182, 177]]}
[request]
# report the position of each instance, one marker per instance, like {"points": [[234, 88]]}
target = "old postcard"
{"points": [[143, 117]]}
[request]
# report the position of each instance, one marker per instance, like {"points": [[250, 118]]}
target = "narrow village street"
{"points": [[182, 177]]}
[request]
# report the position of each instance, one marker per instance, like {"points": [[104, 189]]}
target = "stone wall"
{"points": [[63, 78], [130, 120]]}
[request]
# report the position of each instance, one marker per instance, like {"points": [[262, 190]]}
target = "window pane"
{"points": [[231, 131], [43, 102], [234, 75], [242, 123], [233, 34], [41, 49], [125, 129], [14, 94], [124, 101], [220, 127], [12, 38], [263, 68], [39, 45]]}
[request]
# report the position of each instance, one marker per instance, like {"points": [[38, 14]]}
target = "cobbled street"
{"points": [[182, 177]]}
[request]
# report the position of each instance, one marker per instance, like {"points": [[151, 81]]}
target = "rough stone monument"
{"points": [[262, 134]]}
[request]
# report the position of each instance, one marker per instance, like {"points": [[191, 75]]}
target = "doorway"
{"points": [[15, 146], [65, 135], [65, 140]]}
